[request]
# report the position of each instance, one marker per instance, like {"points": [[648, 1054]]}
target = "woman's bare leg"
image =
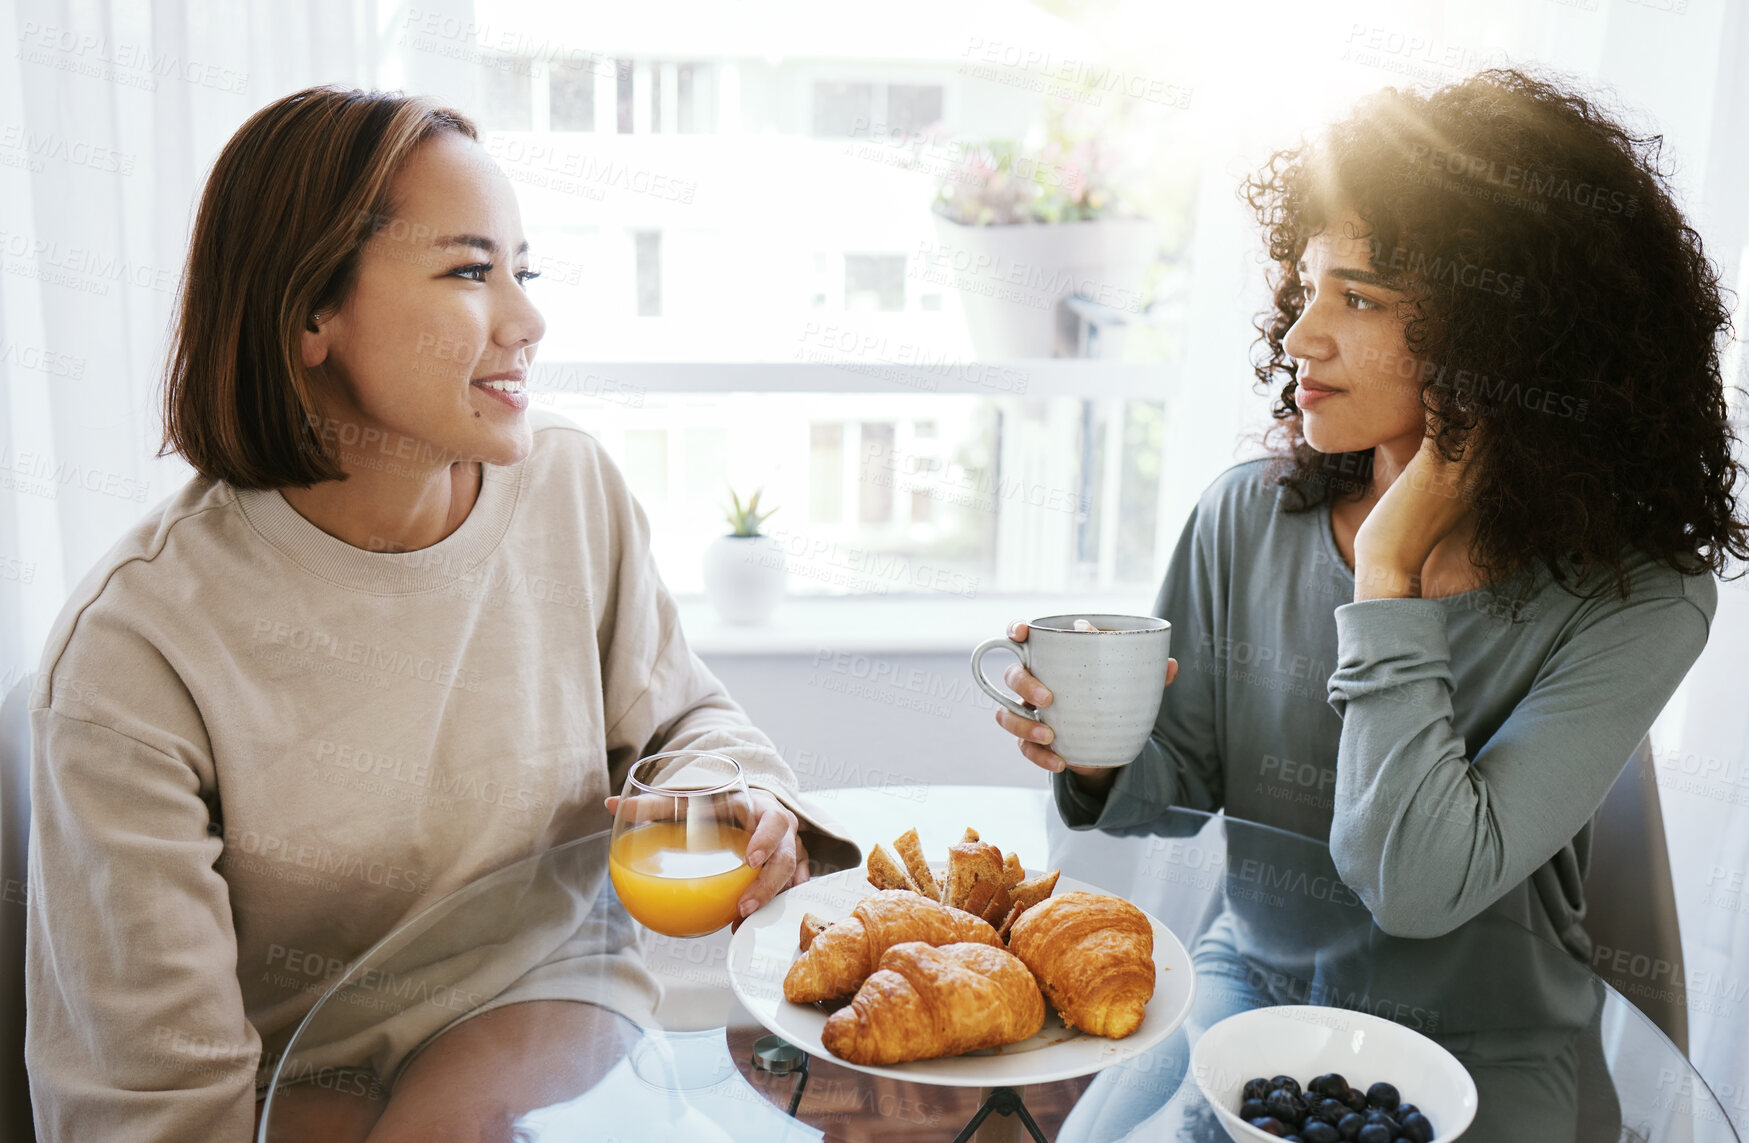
{"points": [[311, 1114], [478, 1078]]}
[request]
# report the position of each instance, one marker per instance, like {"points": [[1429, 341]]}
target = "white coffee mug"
{"points": [[1106, 683]]}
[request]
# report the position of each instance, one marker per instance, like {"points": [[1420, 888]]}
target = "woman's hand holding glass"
{"points": [[689, 858], [1035, 737]]}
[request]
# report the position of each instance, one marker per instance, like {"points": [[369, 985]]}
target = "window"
{"points": [[911, 107], [623, 96], [746, 287], [860, 110], [649, 272], [873, 498], [687, 117], [874, 282], [507, 95], [842, 109], [826, 473], [572, 99]]}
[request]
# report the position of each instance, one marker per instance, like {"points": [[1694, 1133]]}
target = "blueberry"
{"points": [[1383, 1095], [1349, 1125], [1329, 1084], [1255, 1089], [1417, 1128], [1270, 1126], [1355, 1099], [1375, 1133], [1318, 1131], [1253, 1109], [1404, 1110], [1330, 1110], [1285, 1105], [1380, 1115], [1288, 1082]]}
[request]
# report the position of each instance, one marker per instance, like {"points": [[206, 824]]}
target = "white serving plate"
{"points": [[762, 950]]}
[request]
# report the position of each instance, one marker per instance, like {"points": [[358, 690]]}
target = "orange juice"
{"points": [[677, 891]]}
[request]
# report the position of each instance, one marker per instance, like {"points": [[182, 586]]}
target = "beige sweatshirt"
{"points": [[259, 749]]}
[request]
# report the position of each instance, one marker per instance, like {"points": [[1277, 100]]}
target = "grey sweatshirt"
{"points": [[1453, 751]]}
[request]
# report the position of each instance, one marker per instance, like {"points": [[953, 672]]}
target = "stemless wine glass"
{"points": [[678, 857]]}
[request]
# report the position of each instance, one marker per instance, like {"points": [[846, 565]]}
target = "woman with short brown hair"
{"points": [[397, 633]]}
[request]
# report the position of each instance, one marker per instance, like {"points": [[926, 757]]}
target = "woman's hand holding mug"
{"points": [[1036, 737]]}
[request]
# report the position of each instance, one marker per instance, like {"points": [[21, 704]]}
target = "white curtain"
{"points": [[110, 113], [112, 110]]}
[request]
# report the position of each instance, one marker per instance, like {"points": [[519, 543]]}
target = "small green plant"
{"points": [[745, 520]]}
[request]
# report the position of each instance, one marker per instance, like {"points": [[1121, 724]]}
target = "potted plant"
{"points": [[745, 572], [1022, 227]]}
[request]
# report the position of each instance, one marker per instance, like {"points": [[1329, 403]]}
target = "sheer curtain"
{"points": [[111, 111]]}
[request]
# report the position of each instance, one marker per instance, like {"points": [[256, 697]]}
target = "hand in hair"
{"points": [[1430, 500]]}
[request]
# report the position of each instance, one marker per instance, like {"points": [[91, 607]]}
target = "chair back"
{"points": [[1630, 900], [15, 1117]]}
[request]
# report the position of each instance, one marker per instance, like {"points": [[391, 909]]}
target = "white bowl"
{"points": [[1305, 1041]]}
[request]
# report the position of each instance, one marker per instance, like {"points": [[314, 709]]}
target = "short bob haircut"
{"points": [[290, 203], [1566, 321]]}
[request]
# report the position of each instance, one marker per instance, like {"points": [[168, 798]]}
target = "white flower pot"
{"points": [[744, 577], [1011, 278]]}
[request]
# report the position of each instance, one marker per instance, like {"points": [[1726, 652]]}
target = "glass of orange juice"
{"points": [[678, 855]]}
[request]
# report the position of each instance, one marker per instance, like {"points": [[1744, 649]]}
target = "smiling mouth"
{"points": [[515, 388]]}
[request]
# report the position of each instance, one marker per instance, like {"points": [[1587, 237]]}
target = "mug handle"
{"points": [[1002, 644]]}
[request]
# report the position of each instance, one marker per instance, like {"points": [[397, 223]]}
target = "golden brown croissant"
{"points": [[927, 1002], [843, 956], [1093, 955]]}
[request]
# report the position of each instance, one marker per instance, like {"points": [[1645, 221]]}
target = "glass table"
{"points": [[1556, 1053]]}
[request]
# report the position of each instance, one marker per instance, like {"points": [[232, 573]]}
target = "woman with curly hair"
{"points": [[1481, 558]]}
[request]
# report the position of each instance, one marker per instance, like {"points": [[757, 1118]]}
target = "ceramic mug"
{"points": [[1106, 683]]}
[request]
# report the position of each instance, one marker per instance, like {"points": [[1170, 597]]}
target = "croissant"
{"points": [[1093, 955], [843, 955], [926, 1002]]}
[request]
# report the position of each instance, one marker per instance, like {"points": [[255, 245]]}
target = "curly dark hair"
{"points": [[1565, 322]]}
